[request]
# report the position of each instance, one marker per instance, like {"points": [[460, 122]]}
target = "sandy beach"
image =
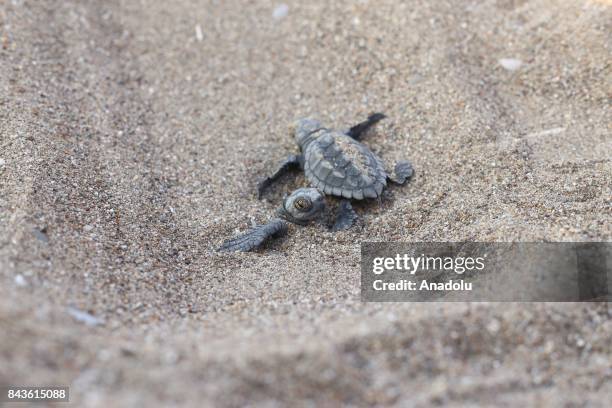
{"points": [[133, 134]]}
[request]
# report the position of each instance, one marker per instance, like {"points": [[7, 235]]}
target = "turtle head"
{"points": [[302, 206], [302, 129]]}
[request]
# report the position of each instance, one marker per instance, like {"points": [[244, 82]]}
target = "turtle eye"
{"points": [[302, 204]]}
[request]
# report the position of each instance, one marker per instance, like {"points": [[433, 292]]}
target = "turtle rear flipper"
{"points": [[254, 238], [403, 171], [358, 130], [346, 216]]}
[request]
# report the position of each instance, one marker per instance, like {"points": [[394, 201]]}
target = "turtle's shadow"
{"points": [[362, 207]]}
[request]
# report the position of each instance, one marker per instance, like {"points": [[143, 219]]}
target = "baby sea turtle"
{"points": [[335, 163]]}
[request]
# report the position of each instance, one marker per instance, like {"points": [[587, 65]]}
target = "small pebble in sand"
{"points": [[88, 228], [198, 32], [493, 326], [20, 281], [84, 317], [41, 234], [280, 11], [2, 162], [511, 64]]}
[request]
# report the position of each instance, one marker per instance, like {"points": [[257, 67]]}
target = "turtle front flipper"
{"points": [[403, 171], [254, 238], [346, 216], [358, 130], [292, 162]]}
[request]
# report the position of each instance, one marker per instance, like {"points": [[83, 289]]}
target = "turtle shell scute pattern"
{"points": [[339, 165]]}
